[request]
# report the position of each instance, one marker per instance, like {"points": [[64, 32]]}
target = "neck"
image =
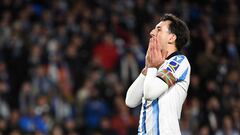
{"points": [[171, 50]]}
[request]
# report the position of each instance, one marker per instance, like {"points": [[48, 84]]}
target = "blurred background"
{"points": [[65, 65]]}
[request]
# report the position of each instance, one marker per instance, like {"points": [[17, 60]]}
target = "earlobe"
{"points": [[173, 38]]}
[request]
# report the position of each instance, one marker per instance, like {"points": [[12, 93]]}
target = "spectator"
{"points": [[30, 122], [106, 53], [227, 128], [129, 68], [94, 110], [72, 60], [106, 127], [26, 97], [57, 130], [13, 122]]}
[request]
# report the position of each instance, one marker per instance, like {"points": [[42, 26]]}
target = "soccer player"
{"points": [[163, 83]]}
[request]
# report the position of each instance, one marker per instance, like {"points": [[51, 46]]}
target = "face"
{"points": [[162, 33]]}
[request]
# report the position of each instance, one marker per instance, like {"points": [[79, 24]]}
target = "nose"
{"points": [[152, 33]]}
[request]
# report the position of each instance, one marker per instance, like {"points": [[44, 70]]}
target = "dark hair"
{"points": [[179, 28]]}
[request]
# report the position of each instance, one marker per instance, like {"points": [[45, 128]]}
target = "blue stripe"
{"points": [[183, 76], [156, 116], [179, 58], [144, 118]]}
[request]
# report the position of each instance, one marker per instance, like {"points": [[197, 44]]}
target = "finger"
{"points": [[155, 49], [149, 46], [155, 43], [152, 44], [157, 46], [152, 51]]}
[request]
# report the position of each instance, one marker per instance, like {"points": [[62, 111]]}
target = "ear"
{"points": [[172, 38]]}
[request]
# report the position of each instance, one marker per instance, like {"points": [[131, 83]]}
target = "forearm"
{"points": [[153, 86], [135, 92]]}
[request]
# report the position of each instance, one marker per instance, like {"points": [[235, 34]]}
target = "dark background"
{"points": [[65, 65]]}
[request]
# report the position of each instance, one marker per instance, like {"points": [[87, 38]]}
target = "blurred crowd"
{"points": [[65, 65]]}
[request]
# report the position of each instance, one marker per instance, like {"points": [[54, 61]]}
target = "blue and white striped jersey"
{"points": [[161, 115]]}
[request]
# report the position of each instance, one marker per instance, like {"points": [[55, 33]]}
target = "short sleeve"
{"points": [[174, 70]]}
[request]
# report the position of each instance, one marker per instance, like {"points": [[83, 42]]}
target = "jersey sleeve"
{"points": [[135, 92], [176, 69]]}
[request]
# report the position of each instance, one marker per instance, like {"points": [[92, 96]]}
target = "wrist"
{"points": [[144, 71], [154, 66]]}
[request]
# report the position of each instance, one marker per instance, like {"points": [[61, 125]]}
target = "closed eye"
{"points": [[159, 28]]}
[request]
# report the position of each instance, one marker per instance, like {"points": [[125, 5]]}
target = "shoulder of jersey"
{"points": [[178, 58], [175, 61]]}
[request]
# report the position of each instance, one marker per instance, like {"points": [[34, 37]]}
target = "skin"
{"points": [[161, 45]]}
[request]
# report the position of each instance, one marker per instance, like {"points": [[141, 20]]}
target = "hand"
{"points": [[155, 56], [147, 56], [144, 70]]}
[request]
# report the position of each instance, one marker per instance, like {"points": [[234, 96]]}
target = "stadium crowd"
{"points": [[65, 65]]}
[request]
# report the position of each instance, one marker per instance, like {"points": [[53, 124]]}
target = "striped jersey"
{"points": [[161, 116]]}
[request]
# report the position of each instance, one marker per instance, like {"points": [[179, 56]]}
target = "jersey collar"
{"points": [[173, 54]]}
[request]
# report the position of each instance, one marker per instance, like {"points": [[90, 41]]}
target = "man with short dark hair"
{"points": [[163, 83]]}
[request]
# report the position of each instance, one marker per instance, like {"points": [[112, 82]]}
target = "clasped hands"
{"points": [[155, 56]]}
